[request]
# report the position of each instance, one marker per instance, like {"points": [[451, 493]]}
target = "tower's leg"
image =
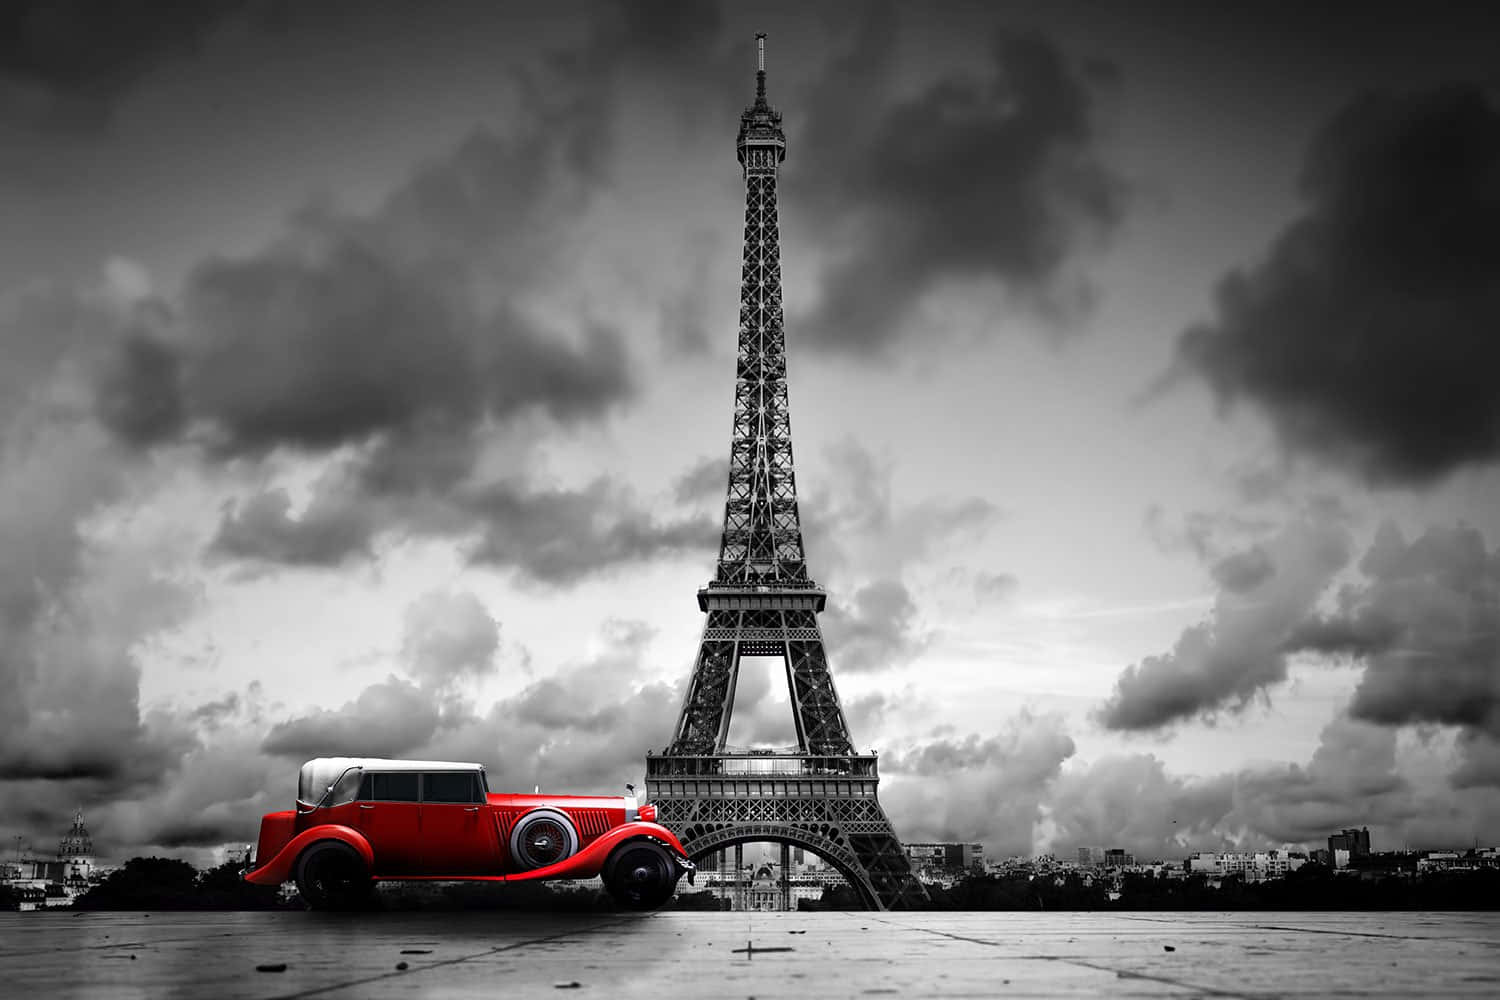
{"points": [[710, 696], [820, 717], [794, 636], [786, 876], [739, 877]]}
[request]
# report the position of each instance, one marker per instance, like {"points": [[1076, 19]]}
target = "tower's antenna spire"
{"points": [[760, 67]]}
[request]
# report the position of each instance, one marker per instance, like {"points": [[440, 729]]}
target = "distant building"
{"points": [[1204, 863], [1117, 857], [945, 858], [54, 882], [1353, 843], [757, 886], [1254, 866], [75, 852]]}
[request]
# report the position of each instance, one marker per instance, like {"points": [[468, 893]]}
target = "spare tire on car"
{"points": [[542, 837]]}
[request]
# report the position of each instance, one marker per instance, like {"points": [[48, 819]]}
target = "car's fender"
{"points": [[590, 861], [280, 868]]}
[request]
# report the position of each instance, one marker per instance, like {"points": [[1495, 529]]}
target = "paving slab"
{"points": [[761, 955]]}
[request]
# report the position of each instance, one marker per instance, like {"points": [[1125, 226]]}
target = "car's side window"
{"points": [[346, 788], [450, 786], [389, 787]]}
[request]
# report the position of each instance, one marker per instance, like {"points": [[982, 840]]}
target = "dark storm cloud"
{"points": [[989, 788], [1134, 802], [1351, 779], [994, 179], [401, 334], [389, 719], [138, 397], [1243, 571], [1224, 662], [585, 729], [1426, 628], [313, 347], [1479, 761], [1424, 624], [562, 535], [67, 662], [877, 630], [1367, 332], [554, 535], [72, 614], [404, 336], [213, 794], [329, 532], [63, 63], [705, 480], [407, 319]]}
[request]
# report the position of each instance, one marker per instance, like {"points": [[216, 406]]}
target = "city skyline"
{"points": [[1145, 407]]}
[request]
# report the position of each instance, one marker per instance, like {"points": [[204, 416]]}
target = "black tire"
{"points": [[640, 875], [332, 876]]}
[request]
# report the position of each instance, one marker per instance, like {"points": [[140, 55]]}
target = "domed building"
{"points": [[75, 854], [43, 882], [765, 890]]}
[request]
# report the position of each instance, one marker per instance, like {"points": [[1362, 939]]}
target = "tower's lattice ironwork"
{"points": [[820, 795]]}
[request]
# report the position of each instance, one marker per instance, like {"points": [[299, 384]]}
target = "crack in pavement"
{"points": [[21, 952], [1331, 930], [1212, 991], [318, 990]]}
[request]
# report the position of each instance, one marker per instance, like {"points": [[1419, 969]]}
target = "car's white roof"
{"points": [[389, 764]]}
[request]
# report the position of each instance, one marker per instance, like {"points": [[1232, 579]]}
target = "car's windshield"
{"points": [[317, 779]]}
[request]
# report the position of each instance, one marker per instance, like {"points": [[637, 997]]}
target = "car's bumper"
{"points": [[684, 865]]}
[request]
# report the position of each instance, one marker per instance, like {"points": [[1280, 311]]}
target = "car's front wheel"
{"points": [[640, 875], [332, 876]]}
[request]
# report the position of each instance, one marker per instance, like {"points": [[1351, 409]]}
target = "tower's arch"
{"points": [[824, 842]]}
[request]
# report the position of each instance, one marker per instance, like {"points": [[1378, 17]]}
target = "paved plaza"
{"points": [[762, 955]]}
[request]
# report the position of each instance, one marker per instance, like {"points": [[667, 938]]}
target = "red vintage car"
{"points": [[360, 820]]}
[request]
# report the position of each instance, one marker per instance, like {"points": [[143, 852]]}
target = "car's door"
{"points": [[458, 832], [389, 814]]}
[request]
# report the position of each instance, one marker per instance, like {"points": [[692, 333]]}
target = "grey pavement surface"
{"points": [[679, 954]]}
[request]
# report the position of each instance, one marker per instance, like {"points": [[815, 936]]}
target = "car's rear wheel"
{"points": [[332, 876], [640, 875]]}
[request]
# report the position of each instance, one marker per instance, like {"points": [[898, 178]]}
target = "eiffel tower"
{"points": [[820, 794]]}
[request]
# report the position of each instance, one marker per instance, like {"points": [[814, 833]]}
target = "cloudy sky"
{"points": [[366, 373]]}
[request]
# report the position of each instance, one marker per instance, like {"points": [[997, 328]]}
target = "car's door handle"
{"points": [[471, 809], [362, 806]]}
